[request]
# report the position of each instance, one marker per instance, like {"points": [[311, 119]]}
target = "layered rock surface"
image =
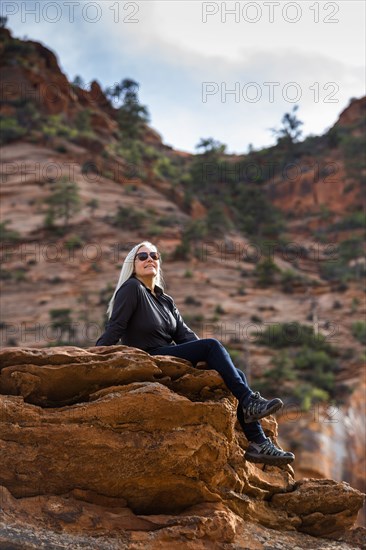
{"points": [[118, 449]]}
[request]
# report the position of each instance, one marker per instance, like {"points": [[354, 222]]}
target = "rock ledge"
{"points": [[144, 452]]}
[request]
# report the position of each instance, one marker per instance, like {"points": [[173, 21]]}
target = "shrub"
{"points": [[182, 252], [282, 374], [61, 149], [163, 168], [75, 241], [191, 301], [10, 130], [56, 280], [18, 48], [282, 371], [359, 331], [265, 272], [283, 335], [83, 122], [317, 367], [154, 230], [289, 279], [340, 269], [306, 377], [55, 125], [61, 323], [129, 218], [63, 203], [9, 235], [351, 248], [93, 204], [256, 319], [19, 274], [89, 167], [217, 220], [307, 395], [355, 220]]}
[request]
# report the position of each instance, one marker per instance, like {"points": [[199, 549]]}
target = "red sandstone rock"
{"points": [[141, 456], [352, 114]]}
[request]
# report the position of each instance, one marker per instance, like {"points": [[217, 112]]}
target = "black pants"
{"points": [[215, 355]]}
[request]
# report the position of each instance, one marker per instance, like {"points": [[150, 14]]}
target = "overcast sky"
{"points": [[189, 55]]}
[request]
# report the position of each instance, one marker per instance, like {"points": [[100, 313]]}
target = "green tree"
{"points": [[217, 220], [290, 131], [209, 146], [255, 214], [129, 218], [193, 232], [359, 331], [78, 82], [293, 334], [63, 203], [265, 272], [131, 115], [307, 395], [281, 374], [10, 129], [317, 367]]}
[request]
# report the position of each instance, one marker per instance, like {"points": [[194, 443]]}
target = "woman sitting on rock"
{"points": [[144, 317]]}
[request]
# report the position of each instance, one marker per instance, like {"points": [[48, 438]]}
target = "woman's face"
{"points": [[148, 267]]}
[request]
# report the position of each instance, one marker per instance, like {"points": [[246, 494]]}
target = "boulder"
{"points": [[112, 441]]}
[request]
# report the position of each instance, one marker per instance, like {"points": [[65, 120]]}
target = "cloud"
{"points": [[173, 53]]}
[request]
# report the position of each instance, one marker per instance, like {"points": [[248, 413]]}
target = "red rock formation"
{"points": [[314, 181], [354, 113], [35, 75], [111, 441]]}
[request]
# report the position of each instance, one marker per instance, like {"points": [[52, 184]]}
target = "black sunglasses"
{"points": [[142, 256]]}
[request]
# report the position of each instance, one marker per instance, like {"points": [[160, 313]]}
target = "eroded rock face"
{"points": [[110, 439]]}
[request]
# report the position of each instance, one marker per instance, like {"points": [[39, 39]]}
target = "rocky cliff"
{"points": [[111, 448], [326, 175]]}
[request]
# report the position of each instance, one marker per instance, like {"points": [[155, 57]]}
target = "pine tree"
{"points": [[64, 202]]}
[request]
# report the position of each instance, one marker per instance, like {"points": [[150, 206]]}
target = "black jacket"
{"points": [[144, 321]]}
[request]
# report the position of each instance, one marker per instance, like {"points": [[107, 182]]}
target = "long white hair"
{"points": [[127, 271]]}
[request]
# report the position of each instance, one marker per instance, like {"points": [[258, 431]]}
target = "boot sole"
{"points": [[273, 409], [269, 460]]}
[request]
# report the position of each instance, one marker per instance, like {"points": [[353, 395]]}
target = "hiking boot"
{"points": [[256, 407], [268, 453]]}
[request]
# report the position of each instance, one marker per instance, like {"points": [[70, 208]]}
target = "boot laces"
{"points": [[256, 406], [269, 448]]}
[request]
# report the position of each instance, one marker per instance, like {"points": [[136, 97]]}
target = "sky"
{"points": [[226, 70]]}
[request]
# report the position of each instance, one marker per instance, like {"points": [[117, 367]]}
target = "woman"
{"points": [[143, 316]]}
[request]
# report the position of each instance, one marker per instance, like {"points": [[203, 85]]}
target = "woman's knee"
{"points": [[212, 342]]}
